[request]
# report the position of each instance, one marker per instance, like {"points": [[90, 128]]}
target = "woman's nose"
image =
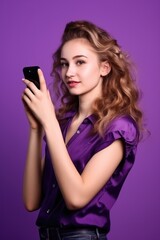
{"points": [[70, 71]]}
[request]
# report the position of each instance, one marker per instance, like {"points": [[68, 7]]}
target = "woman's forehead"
{"points": [[75, 47]]}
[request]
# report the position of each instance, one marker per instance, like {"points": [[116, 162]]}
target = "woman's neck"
{"points": [[86, 102], [85, 107]]}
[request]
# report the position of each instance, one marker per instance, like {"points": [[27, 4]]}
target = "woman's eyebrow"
{"points": [[77, 56]]}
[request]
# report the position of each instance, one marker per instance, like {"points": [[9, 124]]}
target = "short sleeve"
{"points": [[123, 128]]}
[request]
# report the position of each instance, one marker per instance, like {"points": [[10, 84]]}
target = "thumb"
{"points": [[42, 80]]}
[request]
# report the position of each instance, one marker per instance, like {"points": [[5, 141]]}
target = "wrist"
{"points": [[38, 130], [52, 128], [50, 124]]}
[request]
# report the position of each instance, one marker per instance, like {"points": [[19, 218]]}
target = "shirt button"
{"points": [[78, 131], [54, 185], [48, 211]]}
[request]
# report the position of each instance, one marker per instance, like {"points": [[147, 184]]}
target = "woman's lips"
{"points": [[72, 83]]}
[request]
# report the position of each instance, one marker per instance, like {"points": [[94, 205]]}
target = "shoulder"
{"points": [[125, 127]]}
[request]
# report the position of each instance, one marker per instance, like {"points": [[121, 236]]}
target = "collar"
{"points": [[71, 114]]}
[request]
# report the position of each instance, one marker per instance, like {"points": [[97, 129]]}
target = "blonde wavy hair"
{"points": [[120, 95]]}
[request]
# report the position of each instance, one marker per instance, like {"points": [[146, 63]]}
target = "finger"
{"points": [[49, 95], [26, 100], [24, 103], [42, 81], [29, 93], [31, 86]]}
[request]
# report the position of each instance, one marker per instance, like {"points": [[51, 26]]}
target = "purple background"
{"points": [[30, 32]]}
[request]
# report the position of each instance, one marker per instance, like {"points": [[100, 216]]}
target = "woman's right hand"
{"points": [[33, 122]]}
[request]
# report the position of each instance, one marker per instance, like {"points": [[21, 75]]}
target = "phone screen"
{"points": [[31, 74]]}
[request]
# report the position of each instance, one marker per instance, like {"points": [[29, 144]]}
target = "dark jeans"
{"points": [[72, 234]]}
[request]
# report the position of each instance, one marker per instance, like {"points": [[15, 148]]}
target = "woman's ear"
{"points": [[105, 68]]}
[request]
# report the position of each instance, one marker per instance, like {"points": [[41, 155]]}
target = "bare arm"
{"points": [[33, 171], [34, 164]]}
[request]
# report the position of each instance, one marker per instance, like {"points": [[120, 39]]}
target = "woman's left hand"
{"points": [[39, 100]]}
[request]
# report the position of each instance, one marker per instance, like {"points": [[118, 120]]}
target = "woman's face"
{"points": [[81, 69]]}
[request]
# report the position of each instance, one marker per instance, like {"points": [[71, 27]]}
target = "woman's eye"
{"points": [[80, 62], [63, 64]]}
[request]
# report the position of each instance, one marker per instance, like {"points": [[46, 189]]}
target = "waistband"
{"points": [[58, 233]]}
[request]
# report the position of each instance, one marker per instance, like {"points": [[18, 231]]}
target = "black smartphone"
{"points": [[31, 74]]}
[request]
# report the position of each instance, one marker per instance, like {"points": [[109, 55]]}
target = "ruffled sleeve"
{"points": [[123, 128]]}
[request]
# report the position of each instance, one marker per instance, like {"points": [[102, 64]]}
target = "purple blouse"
{"points": [[81, 147]]}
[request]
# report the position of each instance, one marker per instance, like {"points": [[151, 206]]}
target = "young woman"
{"points": [[91, 139]]}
